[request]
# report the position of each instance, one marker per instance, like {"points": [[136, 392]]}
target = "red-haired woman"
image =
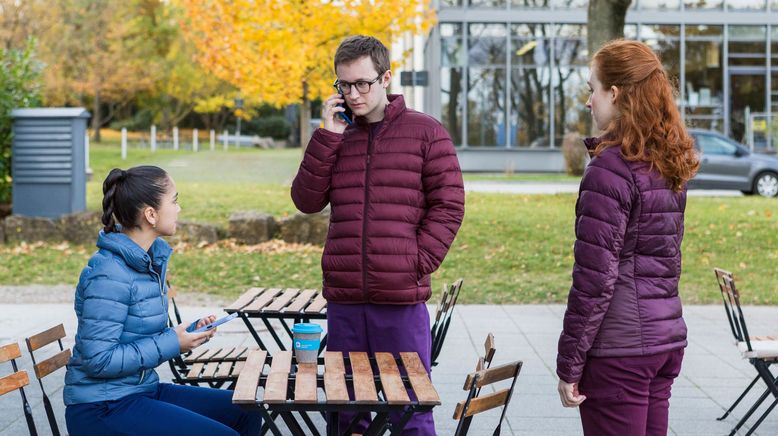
{"points": [[623, 336]]}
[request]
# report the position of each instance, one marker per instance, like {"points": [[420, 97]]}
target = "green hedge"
{"points": [[20, 82]]}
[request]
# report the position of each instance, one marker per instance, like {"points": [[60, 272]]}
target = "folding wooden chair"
{"points": [[485, 361], [48, 365], [761, 352], [214, 367], [476, 403], [16, 380], [443, 317]]}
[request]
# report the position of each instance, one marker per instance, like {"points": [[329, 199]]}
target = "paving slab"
{"points": [[713, 373]]}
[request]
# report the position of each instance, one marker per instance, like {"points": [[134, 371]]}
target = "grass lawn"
{"points": [[522, 177], [510, 249]]}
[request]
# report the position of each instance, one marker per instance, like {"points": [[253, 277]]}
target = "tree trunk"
{"points": [[605, 22], [305, 119], [96, 120]]}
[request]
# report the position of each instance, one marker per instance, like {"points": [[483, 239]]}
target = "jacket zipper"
{"points": [[162, 298], [364, 213]]}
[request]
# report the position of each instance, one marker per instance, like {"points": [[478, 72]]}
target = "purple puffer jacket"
{"points": [[624, 298], [397, 202]]}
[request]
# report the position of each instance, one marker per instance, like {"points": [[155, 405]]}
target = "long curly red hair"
{"points": [[648, 126]]}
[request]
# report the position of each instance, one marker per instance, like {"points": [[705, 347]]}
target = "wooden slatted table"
{"points": [[285, 305], [380, 384]]}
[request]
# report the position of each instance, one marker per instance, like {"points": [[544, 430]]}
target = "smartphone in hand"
{"points": [[216, 323], [346, 116]]}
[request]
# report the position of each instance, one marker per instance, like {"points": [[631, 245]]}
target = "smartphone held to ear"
{"points": [[346, 116]]}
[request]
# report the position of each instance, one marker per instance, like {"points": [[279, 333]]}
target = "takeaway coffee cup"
{"points": [[307, 338]]}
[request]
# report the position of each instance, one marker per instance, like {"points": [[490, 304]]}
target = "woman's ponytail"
{"points": [[109, 194]]}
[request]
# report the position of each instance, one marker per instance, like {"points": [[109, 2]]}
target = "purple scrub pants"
{"points": [[388, 328], [628, 396]]}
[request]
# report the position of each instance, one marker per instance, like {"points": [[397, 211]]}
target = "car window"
{"points": [[710, 144]]}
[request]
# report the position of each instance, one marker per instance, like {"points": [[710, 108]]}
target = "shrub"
{"points": [[575, 154], [276, 126], [20, 81]]}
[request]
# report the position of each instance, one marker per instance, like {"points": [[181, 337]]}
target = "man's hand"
{"points": [[568, 393], [329, 113]]}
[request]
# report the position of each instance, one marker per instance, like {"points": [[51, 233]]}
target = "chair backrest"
{"points": [[17, 380], [485, 361], [48, 365], [476, 403], [443, 317], [731, 298]]}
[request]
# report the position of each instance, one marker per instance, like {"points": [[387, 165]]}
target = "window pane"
{"points": [[660, 4], [570, 95], [631, 30], [747, 53], [487, 44], [530, 4], [451, 45], [528, 52], [452, 97], [704, 31], [748, 32], [570, 45], [451, 48], [746, 5], [704, 84], [486, 107], [570, 4], [487, 3], [529, 106], [703, 4]]}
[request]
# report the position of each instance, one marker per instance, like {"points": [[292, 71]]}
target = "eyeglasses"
{"points": [[363, 86]]}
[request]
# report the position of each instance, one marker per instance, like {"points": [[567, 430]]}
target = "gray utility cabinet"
{"points": [[49, 161]]}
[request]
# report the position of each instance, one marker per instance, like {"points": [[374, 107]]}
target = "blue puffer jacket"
{"points": [[121, 304]]}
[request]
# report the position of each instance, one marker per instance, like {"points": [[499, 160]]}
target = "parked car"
{"points": [[727, 164]]}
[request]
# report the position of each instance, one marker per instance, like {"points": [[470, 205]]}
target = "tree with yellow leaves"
{"points": [[280, 51]]}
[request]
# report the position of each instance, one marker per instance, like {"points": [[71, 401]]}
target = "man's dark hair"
{"points": [[358, 46]]}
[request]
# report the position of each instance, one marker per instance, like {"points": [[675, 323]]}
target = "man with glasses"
{"points": [[395, 189]]}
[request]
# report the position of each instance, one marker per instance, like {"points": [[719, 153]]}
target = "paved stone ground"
{"points": [[713, 374]]}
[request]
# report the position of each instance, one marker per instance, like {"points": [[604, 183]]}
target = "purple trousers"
{"points": [[388, 328], [628, 396]]}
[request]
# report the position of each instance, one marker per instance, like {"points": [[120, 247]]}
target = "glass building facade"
{"points": [[511, 74]]}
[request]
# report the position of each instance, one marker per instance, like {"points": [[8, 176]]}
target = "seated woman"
{"points": [[111, 387]]}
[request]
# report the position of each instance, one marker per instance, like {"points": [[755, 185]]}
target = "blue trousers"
{"points": [[387, 328], [171, 410]]}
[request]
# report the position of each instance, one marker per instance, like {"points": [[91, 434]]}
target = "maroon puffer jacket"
{"points": [[624, 299], [397, 202]]}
